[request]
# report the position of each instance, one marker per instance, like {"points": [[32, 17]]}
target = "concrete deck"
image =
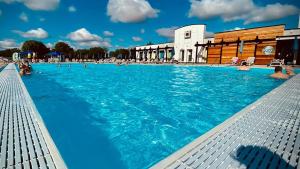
{"points": [[24, 140], [265, 134]]}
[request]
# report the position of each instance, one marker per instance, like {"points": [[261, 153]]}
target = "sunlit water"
{"points": [[115, 117]]}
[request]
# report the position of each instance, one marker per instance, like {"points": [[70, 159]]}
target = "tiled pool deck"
{"points": [[263, 135], [24, 140]]}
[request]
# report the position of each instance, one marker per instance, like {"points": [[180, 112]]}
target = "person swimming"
{"points": [[244, 67], [289, 71], [278, 73], [25, 68]]}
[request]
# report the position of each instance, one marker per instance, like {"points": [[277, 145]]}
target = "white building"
{"points": [[163, 52], [183, 48], [185, 39]]}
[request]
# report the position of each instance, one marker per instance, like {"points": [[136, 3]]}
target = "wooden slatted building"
{"points": [[243, 44]]}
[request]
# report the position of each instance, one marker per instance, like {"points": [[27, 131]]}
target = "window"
{"points": [[190, 52], [182, 55], [187, 34]]}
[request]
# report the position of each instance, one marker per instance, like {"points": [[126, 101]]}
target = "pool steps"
{"points": [[24, 139], [264, 134]]}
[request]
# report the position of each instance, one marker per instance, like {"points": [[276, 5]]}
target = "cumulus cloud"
{"points": [[38, 33], [130, 11], [167, 32], [23, 16], [8, 44], [271, 12], [137, 39], [108, 33], [82, 34], [72, 9], [82, 37], [239, 9], [45, 5]]}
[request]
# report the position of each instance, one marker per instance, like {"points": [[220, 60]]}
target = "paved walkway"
{"points": [[24, 140], [263, 135]]}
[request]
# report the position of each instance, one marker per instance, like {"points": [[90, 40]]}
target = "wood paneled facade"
{"points": [[252, 41]]}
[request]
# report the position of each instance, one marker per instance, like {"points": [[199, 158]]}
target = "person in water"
{"points": [[278, 73], [25, 68], [289, 71], [244, 66]]}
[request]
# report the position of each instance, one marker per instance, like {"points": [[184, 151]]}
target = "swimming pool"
{"points": [[108, 116]]}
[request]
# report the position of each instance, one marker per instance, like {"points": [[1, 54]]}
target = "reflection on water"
{"points": [[135, 114]]}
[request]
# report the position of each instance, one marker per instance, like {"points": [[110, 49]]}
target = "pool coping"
{"points": [[180, 153], [170, 64], [57, 158]]}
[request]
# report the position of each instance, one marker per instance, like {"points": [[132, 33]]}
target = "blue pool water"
{"points": [[108, 116]]}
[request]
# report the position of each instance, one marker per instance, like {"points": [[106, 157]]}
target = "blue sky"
{"points": [[125, 23]]}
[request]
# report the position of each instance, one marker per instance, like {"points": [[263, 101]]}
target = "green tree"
{"points": [[7, 53], [82, 53], [63, 48], [35, 46], [97, 52], [120, 54]]}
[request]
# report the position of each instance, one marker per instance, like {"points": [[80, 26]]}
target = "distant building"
{"points": [[183, 48], [191, 46]]}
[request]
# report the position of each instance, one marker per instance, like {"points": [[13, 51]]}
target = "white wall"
{"points": [[290, 32], [185, 44]]}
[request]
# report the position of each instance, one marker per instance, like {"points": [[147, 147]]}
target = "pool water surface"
{"points": [[107, 116]]}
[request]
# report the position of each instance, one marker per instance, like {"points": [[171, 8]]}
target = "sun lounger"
{"points": [[276, 62], [234, 60], [250, 61]]}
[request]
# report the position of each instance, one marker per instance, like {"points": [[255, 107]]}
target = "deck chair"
{"points": [[250, 61], [234, 60], [276, 62]]}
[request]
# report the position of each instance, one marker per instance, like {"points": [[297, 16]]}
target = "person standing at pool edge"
{"points": [[278, 73]]}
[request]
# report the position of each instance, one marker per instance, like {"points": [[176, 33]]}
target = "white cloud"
{"points": [[167, 32], [84, 38], [130, 11], [8, 44], [208, 34], [142, 31], [72, 9], [23, 16], [82, 35], [34, 33], [108, 33], [271, 12], [44, 5], [236, 28], [49, 45], [247, 10], [137, 39], [227, 9]]}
